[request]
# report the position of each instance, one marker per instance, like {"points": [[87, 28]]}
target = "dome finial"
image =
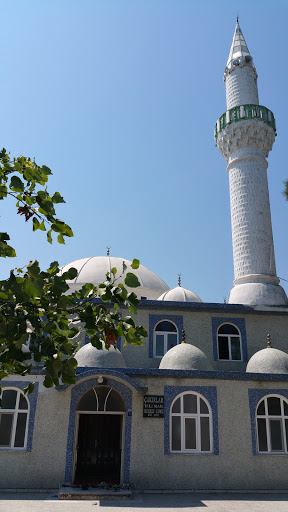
{"points": [[269, 341], [183, 336], [179, 279], [237, 19], [108, 251]]}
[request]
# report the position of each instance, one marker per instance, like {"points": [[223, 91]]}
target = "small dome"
{"points": [[185, 357], [179, 294], [93, 270], [90, 356], [268, 360]]}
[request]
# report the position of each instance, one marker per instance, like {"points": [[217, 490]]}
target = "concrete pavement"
{"points": [[164, 502]]}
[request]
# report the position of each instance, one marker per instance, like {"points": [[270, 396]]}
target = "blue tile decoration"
{"points": [[240, 323], [83, 373], [208, 392], [32, 399], [255, 395], [154, 319], [77, 393]]}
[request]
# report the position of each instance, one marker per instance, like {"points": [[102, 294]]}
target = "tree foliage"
{"points": [[36, 307]]}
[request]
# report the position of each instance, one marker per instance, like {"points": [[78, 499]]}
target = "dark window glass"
{"points": [[190, 434], [276, 435], [166, 326], [274, 406], [205, 434], [102, 392], [9, 399], [261, 409], [262, 435], [23, 402], [88, 402], [190, 403], [228, 329], [176, 406], [159, 345], [5, 429], [172, 341], [115, 402], [285, 408], [20, 430], [235, 348], [223, 347], [176, 433], [286, 432], [203, 407]]}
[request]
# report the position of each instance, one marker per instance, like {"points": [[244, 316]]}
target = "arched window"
{"points": [[101, 399], [165, 337], [14, 413], [229, 343], [272, 425], [190, 424]]}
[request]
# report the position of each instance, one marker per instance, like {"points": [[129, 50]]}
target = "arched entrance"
{"points": [[100, 417]]}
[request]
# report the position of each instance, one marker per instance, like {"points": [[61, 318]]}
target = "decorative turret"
{"points": [[245, 134]]}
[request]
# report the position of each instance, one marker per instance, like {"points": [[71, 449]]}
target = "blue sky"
{"points": [[119, 99]]}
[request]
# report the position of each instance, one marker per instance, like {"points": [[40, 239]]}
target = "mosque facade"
{"points": [[203, 403]]}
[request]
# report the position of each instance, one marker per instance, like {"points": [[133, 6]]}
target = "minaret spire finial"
{"points": [[183, 336], [237, 19], [269, 345], [179, 279], [108, 251]]}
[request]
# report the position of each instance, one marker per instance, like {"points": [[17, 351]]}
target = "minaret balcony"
{"points": [[244, 113]]}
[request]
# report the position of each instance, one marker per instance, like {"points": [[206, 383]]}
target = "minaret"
{"points": [[245, 134]]}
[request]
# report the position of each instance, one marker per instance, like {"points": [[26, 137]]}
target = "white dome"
{"points": [[179, 294], [90, 356], [93, 270], [268, 360], [185, 357]]}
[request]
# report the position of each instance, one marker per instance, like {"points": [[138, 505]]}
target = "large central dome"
{"points": [[93, 270]]}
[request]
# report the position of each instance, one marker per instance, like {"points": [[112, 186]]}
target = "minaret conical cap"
{"points": [[239, 47]]}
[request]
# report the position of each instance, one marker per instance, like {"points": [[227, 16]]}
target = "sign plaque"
{"points": [[153, 406]]}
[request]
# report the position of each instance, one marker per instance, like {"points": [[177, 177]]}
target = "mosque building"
{"points": [[203, 403]]}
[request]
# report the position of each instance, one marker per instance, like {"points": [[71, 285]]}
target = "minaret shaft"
{"points": [[245, 135], [252, 237]]}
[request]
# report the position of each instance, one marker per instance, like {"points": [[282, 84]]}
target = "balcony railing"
{"points": [[242, 113]]}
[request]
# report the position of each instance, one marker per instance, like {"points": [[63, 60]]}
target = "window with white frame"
{"points": [[165, 337], [229, 343], [272, 425], [14, 412], [190, 424]]}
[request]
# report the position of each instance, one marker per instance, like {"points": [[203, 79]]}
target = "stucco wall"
{"points": [[198, 327], [44, 465], [234, 468]]}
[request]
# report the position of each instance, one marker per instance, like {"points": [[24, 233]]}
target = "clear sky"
{"points": [[119, 98]]}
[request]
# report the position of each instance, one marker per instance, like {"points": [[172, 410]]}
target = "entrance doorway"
{"points": [[99, 436]]}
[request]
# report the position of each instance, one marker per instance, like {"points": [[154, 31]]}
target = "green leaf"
{"points": [[135, 264], [16, 184], [114, 271], [60, 239], [57, 198], [36, 223], [131, 280], [49, 237], [42, 226], [33, 288], [54, 268], [29, 389]]}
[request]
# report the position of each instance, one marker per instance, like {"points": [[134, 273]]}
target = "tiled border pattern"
{"points": [[209, 392], [255, 395], [154, 319], [76, 393], [32, 397], [240, 323]]}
